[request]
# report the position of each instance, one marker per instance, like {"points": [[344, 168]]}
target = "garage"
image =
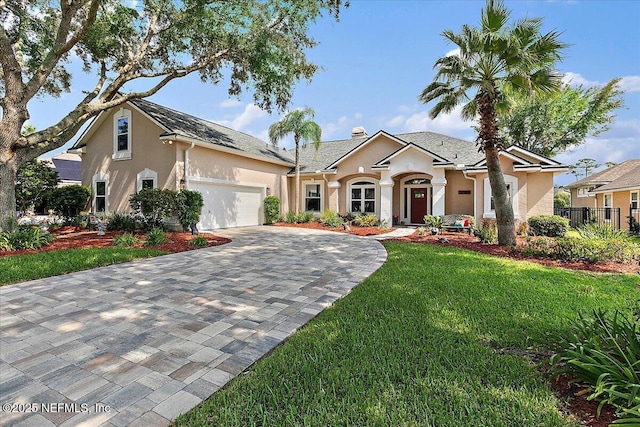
{"points": [[229, 205]]}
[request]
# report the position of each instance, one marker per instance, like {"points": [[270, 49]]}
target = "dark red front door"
{"points": [[418, 205]]}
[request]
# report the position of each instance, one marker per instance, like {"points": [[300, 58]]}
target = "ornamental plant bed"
{"points": [[464, 241], [353, 229], [73, 238]]}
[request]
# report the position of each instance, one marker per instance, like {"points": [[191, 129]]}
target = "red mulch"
{"points": [[464, 241], [354, 229], [70, 237]]}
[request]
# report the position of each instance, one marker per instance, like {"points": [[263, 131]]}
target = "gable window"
{"points": [[512, 194], [312, 197], [363, 197], [122, 135], [634, 200], [146, 179], [100, 193]]}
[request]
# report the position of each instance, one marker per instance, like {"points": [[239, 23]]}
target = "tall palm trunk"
{"points": [[296, 139], [488, 137]]}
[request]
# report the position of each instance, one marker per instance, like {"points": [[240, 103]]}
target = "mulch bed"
{"points": [[464, 241], [73, 238]]}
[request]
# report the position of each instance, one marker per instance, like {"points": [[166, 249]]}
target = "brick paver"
{"points": [[139, 343]]}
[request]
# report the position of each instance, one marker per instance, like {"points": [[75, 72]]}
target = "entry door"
{"points": [[418, 205]]}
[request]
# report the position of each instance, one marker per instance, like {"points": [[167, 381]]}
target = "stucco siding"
{"points": [[539, 194], [456, 203], [146, 152], [366, 157]]}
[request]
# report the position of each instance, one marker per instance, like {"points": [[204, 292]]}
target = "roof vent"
{"points": [[358, 132]]}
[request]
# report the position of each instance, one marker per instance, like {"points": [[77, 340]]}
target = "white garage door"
{"points": [[228, 205]]}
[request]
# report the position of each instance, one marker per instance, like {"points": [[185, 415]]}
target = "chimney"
{"points": [[358, 132]]}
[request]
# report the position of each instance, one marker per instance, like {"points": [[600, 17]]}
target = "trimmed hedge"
{"points": [[548, 225]]}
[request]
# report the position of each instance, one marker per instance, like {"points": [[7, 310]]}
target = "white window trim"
{"points": [[508, 179], [637, 193], [146, 174], [100, 177], [304, 194], [375, 183], [124, 154], [584, 191]]}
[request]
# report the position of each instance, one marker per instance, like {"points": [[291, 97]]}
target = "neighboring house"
{"points": [[403, 176], [68, 166], [615, 187]]}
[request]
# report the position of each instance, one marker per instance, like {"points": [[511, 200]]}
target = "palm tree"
{"points": [[300, 124], [494, 59]]}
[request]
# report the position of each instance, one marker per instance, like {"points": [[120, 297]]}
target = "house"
{"points": [[615, 188], [403, 177], [68, 166]]}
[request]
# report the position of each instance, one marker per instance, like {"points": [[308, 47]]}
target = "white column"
{"points": [[334, 195], [438, 184], [386, 198]]}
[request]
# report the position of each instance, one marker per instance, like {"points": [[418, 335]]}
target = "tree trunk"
{"points": [[297, 195], [501, 200], [8, 172], [488, 138]]}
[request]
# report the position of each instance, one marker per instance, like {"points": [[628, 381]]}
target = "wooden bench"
{"points": [[449, 223]]}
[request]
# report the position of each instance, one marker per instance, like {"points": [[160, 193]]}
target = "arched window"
{"points": [[122, 135], [362, 197], [146, 179]]}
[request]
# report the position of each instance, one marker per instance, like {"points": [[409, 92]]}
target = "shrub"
{"points": [[304, 217], [433, 221], [24, 237], [189, 206], [290, 217], [604, 352], [154, 206], [199, 242], [548, 225], [331, 219], [69, 201], [601, 231], [488, 233], [121, 222], [634, 227], [421, 231], [366, 220], [590, 250], [155, 237], [125, 240], [271, 209]]}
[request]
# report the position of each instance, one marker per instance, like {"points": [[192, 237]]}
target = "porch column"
{"points": [[438, 184], [334, 195], [386, 198]]}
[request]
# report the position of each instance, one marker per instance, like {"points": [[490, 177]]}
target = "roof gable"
{"points": [[411, 146], [366, 142], [608, 175]]}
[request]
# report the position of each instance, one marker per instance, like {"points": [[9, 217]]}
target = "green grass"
{"points": [[20, 268], [436, 337]]}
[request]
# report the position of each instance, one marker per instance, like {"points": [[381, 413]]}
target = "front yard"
{"points": [[437, 336]]}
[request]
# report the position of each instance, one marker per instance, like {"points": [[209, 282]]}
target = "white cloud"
{"points": [[341, 128], [575, 79], [448, 124], [630, 84], [250, 114], [454, 52], [230, 103]]}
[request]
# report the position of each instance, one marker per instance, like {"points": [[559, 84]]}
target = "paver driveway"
{"points": [[139, 343]]}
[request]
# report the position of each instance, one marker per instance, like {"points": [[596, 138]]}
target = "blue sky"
{"points": [[380, 56]]}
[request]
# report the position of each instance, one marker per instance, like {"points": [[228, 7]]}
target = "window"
{"points": [[146, 179], [634, 200], [363, 197], [608, 204], [312, 198], [100, 193], [512, 191], [584, 191], [122, 135]]}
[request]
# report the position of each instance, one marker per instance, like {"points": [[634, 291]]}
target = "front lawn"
{"points": [[438, 337], [20, 268]]}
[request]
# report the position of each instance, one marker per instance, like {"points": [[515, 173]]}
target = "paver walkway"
{"points": [[139, 343]]}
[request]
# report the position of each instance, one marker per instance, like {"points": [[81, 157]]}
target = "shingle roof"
{"points": [[455, 150], [68, 170], [630, 179], [613, 174], [203, 130]]}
